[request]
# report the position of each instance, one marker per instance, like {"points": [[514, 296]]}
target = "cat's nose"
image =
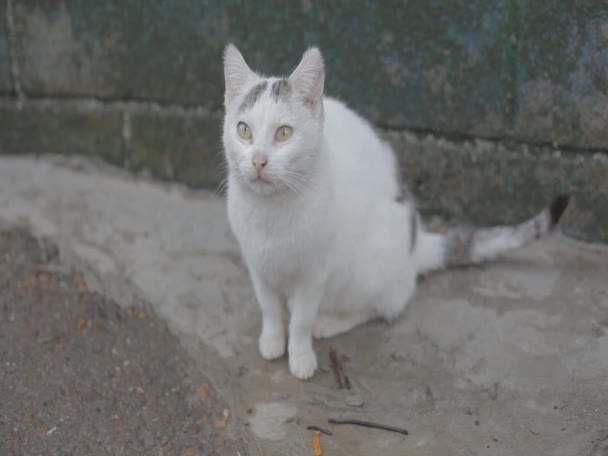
{"points": [[259, 160]]}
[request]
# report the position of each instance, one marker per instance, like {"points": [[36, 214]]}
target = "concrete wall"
{"points": [[5, 76], [140, 84]]}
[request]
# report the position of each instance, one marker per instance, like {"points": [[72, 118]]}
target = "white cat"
{"points": [[314, 201]]}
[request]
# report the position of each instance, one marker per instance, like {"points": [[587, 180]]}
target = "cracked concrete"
{"points": [[507, 359]]}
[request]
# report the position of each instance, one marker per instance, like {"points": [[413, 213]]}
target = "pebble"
{"points": [[354, 401]]}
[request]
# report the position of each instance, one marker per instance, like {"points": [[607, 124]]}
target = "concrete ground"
{"points": [[507, 359]]}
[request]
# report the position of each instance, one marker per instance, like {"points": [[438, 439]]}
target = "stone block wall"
{"points": [[493, 106]]}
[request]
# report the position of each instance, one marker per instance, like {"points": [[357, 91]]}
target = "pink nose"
{"points": [[259, 160]]}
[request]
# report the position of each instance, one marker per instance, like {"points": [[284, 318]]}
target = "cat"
{"points": [[314, 200]]}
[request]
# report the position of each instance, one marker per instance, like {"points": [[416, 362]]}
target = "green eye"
{"points": [[243, 130], [283, 133]]}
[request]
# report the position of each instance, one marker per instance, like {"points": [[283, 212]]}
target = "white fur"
{"points": [[336, 243], [320, 227]]}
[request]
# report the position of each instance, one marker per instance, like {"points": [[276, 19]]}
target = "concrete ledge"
{"points": [[493, 183], [140, 85], [174, 146], [185, 149], [480, 182], [34, 131]]}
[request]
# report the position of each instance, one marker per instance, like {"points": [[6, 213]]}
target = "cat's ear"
{"points": [[309, 77], [236, 73]]}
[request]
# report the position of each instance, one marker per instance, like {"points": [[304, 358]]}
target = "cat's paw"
{"points": [[271, 345], [303, 364]]}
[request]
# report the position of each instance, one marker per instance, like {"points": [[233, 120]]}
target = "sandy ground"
{"points": [[506, 359], [81, 375]]}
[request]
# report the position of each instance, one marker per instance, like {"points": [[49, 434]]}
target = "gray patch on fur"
{"points": [[403, 192], [404, 196], [280, 90], [557, 208], [459, 243], [538, 228], [413, 229], [401, 195], [253, 95]]}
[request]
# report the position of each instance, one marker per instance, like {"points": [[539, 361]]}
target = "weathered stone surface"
{"points": [[447, 66], [485, 183], [161, 50], [177, 148], [32, 131], [532, 71], [489, 69], [5, 74], [507, 359], [562, 73]]}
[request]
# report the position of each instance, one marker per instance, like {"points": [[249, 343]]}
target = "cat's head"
{"points": [[273, 127]]}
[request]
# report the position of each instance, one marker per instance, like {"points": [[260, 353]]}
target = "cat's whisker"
{"points": [[287, 183], [296, 173], [300, 188], [223, 185], [224, 169], [298, 179], [294, 186]]}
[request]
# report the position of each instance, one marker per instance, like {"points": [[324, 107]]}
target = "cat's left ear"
{"points": [[236, 73], [308, 78]]}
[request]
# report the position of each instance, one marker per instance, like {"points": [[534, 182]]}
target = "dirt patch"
{"points": [[81, 375]]}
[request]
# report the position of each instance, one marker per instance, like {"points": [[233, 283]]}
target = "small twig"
{"points": [[321, 430], [336, 367], [347, 382], [51, 338], [369, 424]]}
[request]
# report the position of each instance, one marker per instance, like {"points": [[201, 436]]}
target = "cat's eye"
{"points": [[283, 133], [243, 130]]}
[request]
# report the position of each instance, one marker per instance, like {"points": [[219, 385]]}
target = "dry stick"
{"points": [[336, 366], [369, 424], [321, 430]]}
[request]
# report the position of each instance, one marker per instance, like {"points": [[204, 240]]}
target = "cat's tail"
{"points": [[460, 246]]}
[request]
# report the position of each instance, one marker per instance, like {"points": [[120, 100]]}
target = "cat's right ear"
{"points": [[236, 73], [309, 78]]}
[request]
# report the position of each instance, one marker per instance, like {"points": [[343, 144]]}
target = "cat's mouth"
{"points": [[261, 179]]}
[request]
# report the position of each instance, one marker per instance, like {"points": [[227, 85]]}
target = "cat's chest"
{"points": [[271, 233], [276, 240]]}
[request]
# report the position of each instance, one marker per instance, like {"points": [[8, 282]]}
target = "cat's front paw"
{"points": [[272, 345], [303, 364]]}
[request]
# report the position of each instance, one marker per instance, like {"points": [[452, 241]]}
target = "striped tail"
{"points": [[461, 246]]}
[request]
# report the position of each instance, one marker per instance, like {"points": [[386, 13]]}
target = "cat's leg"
{"points": [[272, 338], [331, 325], [304, 307]]}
